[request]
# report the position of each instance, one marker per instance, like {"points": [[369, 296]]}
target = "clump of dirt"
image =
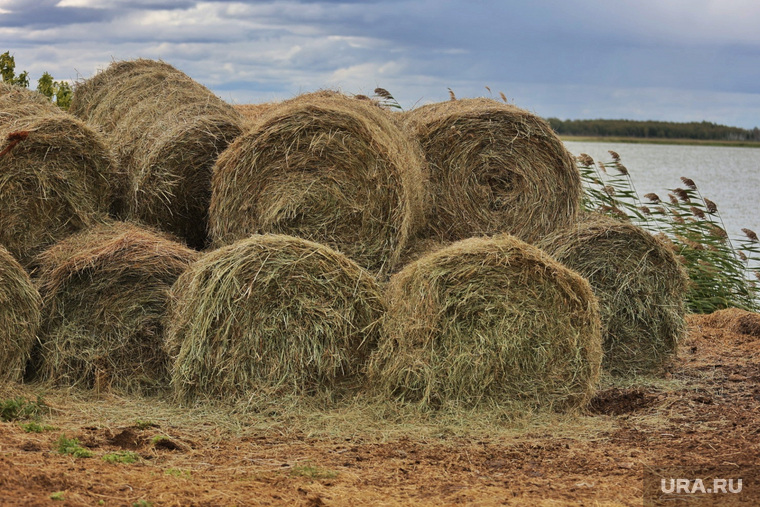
{"points": [[616, 401]]}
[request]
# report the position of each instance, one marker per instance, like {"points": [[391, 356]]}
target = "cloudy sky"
{"points": [[675, 60]]}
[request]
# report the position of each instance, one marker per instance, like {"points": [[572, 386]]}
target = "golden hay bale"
{"points": [[494, 168], [20, 306], [640, 286], [167, 131], [324, 167], [489, 321], [105, 291], [56, 174], [271, 314]]}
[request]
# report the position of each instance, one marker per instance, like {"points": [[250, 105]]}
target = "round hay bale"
{"points": [[489, 321], [167, 131], [20, 306], [494, 168], [324, 167], [640, 286], [271, 314], [57, 175], [105, 292]]}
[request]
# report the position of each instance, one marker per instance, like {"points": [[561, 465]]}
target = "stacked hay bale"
{"points": [[167, 131], [271, 314], [494, 168], [20, 306], [640, 286], [56, 174], [105, 292], [489, 321], [324, 167]]}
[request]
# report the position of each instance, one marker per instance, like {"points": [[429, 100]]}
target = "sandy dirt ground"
{"points": [[703, 414]]}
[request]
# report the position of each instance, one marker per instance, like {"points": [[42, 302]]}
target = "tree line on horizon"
{"points": [[703, 130]]}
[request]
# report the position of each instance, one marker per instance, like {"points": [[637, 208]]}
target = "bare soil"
{"points": [[704, 412]]}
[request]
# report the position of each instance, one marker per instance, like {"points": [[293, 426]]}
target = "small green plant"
{"points": [[312, 472], [159, 439], [176, 472], [58, 495], [126, 457], [144, 425], [142, 503], [71, 447], [721, 275], [34, 427], [21, 409]]}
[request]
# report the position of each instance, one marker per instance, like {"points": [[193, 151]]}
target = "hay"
{"points": [[20, 306], [167, 131], [640, 286], [57, 175], [494, 168], [252, 112], [489, 321], [324, 167], [271, 314], [105, 291], [734, 320]]}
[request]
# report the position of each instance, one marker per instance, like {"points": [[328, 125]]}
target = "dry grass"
{"points": [[271, 314], [57, 175], [105, 292], [167, 131], [734, 320], [20, 306], [494, 168], [489, 322], [640, 286], [328, 168]]}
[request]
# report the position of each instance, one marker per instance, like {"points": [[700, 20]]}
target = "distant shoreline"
{"points": [[659, 140]]}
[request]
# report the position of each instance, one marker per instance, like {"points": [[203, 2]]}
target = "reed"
{"points": [[723, 271]]}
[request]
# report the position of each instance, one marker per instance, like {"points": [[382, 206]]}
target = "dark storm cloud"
{"points": [[569, 58]]}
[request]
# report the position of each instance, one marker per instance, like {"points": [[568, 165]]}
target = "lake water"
{"points": [[728, 176]]}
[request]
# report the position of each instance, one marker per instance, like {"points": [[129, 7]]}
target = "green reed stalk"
{"points": [[721, 274]]}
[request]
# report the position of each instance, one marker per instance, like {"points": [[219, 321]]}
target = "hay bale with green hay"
{"points": [[640, 286], [167, 131], [494, 168], [20, 306], [324, 167], [489, 322], [57, 175], [271, 314], [105, 292]]}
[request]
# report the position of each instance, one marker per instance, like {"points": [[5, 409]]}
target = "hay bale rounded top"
{"points": [[105, 291], [494, 168], [20, 306], [324, 167], [271, 314], [56, 174], [489, 321], [640, 285], [167, 131]]}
